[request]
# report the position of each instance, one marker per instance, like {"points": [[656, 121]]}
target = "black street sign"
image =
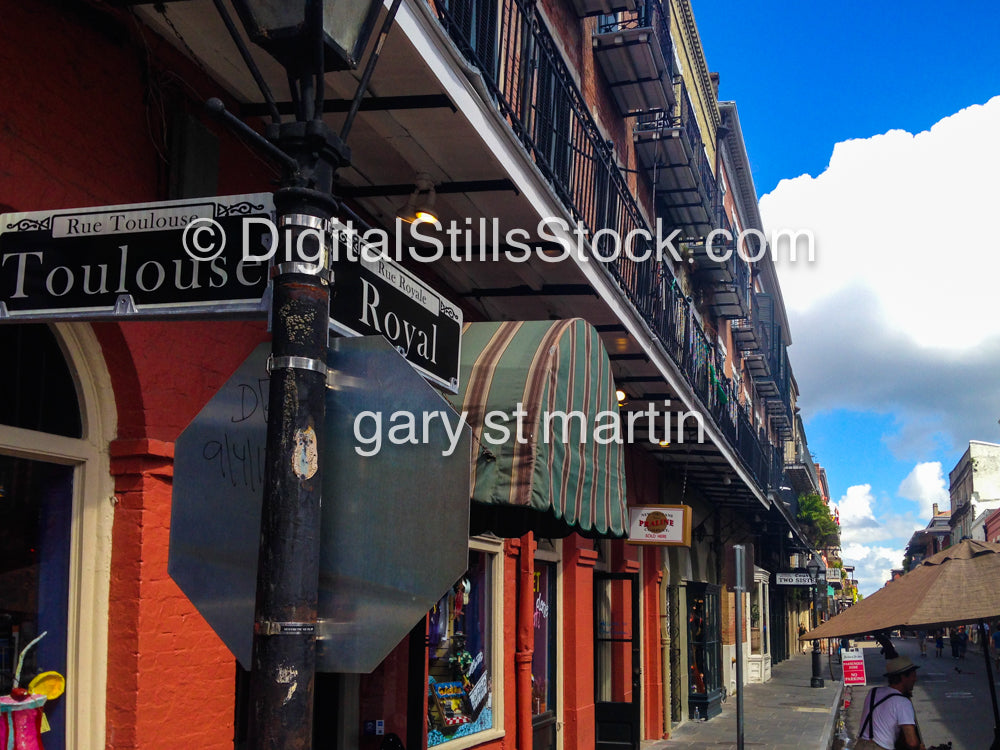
{"points": [[183, 257], [375, 295], [209, 257]]}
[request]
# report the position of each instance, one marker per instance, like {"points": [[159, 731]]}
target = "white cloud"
{"points": [[904, 216], [925, 486], [863, 522], [897, 314], [872, 565]]}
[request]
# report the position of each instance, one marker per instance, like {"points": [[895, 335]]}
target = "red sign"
{"points": [[854, 666]]}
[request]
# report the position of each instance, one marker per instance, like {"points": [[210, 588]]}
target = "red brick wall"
{"points": [[170, 679], [80, 126]]}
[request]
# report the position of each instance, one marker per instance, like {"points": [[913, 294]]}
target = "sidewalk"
{"points": [[782, 714]]}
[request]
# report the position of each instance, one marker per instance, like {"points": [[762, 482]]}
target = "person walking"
{"points": [[888, 720], [996, 643], [939, 643], [922, 637]]}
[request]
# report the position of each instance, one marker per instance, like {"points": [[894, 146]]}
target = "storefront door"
{"points": [[617, 664], [704, 651]]}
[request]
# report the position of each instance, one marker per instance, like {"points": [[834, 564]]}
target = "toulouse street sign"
{"points": [[133, 260]]}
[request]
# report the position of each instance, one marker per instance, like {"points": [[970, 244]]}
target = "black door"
{"points": [[617, 665]]}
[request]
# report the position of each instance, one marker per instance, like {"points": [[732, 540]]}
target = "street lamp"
{"points": [[814, 566], [283, 27]]}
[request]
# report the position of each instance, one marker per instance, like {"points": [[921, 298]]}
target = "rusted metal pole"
{"points": [[284, 643]]}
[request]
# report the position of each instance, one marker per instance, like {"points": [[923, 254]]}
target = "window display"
{"points": [[460, 689], [543, 661], [36, 499], [703, 639]]}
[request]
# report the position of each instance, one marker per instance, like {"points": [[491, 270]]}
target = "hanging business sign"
{"points": [[373, 295], [182, 257], [793, 579], [666, 525], [854, 666]]}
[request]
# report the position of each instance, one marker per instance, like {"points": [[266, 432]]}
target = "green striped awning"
{"points": [[558, 372]]}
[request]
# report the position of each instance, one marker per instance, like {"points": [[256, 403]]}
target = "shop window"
{"points": [[759, 618], [36, 501], [38, 390], [543, 660], [55, 520], [463, 642], [704, 640]]}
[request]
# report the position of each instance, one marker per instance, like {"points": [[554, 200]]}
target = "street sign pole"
{"points": [[739, 553], [284, 640]]}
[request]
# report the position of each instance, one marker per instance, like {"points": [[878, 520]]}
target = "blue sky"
{"points": [[808, 75], [876, 127]]}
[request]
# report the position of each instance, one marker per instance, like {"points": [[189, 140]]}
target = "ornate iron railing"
{"points": [[534, 91], [649, 14]]}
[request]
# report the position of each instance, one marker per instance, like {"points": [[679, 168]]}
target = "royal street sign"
{"points": [[182, 257], [372, 294]]}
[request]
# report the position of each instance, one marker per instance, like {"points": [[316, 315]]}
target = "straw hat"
{"points": [[899, 665]]}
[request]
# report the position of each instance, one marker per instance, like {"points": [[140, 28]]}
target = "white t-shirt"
{"points": [[889, 716]]}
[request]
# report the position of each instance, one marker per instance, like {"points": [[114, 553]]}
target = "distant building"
{"points": [[974, 489], [930, 540], [992, 526]]}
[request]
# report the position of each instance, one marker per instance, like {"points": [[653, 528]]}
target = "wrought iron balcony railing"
{"points": [[534, 91], [649, 14]]}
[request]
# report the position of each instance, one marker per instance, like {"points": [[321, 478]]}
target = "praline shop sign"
{"points": [[133, 260], [667, 525]]}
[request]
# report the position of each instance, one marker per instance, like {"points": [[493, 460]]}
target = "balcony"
{"points": [[586, 8], [549, 116], [672, 150], [724, 274], [800, 468], [634, 51]]}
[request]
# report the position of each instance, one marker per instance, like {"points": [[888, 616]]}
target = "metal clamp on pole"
{"points": [[305, 226], [310, 269], [295, 363]]}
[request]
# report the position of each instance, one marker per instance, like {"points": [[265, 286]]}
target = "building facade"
{"points": [[974, 487], [544, 123]]}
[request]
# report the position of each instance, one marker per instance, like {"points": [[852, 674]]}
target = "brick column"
{"points": [[578, 632], [170, 678]]}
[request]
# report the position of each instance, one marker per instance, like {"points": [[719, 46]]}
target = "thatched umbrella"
{"points": [[957, 585]]}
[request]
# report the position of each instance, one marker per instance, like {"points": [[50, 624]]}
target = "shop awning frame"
{"points": [[544, 369]]}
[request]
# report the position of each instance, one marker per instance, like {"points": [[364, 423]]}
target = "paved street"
{"points": [[952, 697], [781, 714]]}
